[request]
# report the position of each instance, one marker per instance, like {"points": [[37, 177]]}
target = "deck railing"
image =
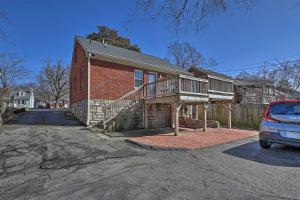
{"points": [[176, 85], [220, 89]]}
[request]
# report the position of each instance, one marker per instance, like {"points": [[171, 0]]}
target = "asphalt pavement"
{"points": [[44, 156]]}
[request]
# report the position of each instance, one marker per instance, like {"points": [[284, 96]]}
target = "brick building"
{"points": [[116, 88]]}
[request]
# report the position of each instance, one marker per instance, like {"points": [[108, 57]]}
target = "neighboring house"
{"points": [[257, 93], [40, 103], [115, 88], [22, 98], [62, 104]]}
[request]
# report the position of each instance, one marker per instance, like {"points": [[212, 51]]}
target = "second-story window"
{"points": [[138, 77]]}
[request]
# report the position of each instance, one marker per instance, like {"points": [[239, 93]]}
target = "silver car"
{"points": [[281, 124]]}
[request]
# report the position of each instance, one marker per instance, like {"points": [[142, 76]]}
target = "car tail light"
{"points": [[266, 115]]}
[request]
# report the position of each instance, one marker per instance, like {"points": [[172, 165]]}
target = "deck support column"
{"points": [[173, 115], [228, 107], [146, 108], [205, 107], [229, 115], [197, 112], [177, 107]]}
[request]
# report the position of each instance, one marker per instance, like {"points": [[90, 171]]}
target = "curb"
{"points": [[151, 147]]}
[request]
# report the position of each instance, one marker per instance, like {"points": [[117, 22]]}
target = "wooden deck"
{"points": [[181, 88], [184, 89], [178, 91]]}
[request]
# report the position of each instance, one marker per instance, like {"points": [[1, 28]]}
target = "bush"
{"points": [[19, 110]]}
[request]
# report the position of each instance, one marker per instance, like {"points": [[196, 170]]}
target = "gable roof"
{"points": [[122, 54], [26, 96], [251, 84], [212, 73]]}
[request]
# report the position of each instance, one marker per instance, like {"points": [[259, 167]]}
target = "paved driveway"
{"points": [[44, 117], [69, 162]]}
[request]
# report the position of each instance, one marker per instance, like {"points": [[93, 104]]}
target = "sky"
{"points": [[238, 39]]}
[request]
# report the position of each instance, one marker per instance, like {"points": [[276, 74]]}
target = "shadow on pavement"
{"points": [[277, 155], [142, 132], [44, 117]]}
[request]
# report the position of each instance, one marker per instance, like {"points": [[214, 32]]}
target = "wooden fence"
{"points": [[244, 116]]}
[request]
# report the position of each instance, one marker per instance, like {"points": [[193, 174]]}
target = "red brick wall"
{"points": [[111, 80], [108, 80], [78, 75]]}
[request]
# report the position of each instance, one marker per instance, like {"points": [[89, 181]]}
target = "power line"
{"points": [[251, 66], [257, 67]]}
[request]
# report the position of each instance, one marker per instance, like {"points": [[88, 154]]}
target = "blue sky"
{"points": [[239, 39]]}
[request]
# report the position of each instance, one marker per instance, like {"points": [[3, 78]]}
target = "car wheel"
{"points": [[264, 144]]}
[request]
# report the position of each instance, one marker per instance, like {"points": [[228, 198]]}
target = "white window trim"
{"points": [[135, 77], [156, 75]]}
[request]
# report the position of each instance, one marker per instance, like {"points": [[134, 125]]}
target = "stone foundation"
{"points": [[159, 115], [79, 109], [131, 119], [96, 110]]}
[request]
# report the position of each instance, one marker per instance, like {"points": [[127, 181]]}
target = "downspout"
{"points": [[88, 90]]}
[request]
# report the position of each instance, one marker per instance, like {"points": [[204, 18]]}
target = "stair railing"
{"points": [[125, 102]]}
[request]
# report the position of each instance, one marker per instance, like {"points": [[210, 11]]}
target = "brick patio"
{"points": [[192, 139]]}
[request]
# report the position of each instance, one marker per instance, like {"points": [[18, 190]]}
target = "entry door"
{"points": [[152, 88], [152, 78]]}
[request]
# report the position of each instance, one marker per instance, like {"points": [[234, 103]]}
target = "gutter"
{"points": [[88, 90]]}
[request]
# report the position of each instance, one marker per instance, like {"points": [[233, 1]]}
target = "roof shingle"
{"points": [[97, 47]]}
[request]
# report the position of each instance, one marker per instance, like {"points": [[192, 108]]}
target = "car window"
{"points": [[292, 108]]}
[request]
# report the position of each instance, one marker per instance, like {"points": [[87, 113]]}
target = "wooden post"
{"points": [[229, 115], [173, 115], [205, 106], [146, 107], [197, 112], [177, 109]]}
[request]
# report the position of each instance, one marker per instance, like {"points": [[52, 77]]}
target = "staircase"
{"points": [[120, 107]]}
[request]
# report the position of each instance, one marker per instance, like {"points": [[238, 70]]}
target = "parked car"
{"points": [[281, 124]]}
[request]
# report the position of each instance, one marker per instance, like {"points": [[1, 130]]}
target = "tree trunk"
{"points": [[56, 104], [3, 105]]}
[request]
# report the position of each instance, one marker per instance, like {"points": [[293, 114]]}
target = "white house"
{"points": [[22, 99]]}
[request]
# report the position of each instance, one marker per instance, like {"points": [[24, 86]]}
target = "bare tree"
{"points": [[185, 56], [284, 76], [53, 81], [11, 71], [192, 14]]}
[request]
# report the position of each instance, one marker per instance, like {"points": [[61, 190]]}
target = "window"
{"points": [[138, 77], [288, 108], [23, 102], [152, 77], [152, 88]]}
